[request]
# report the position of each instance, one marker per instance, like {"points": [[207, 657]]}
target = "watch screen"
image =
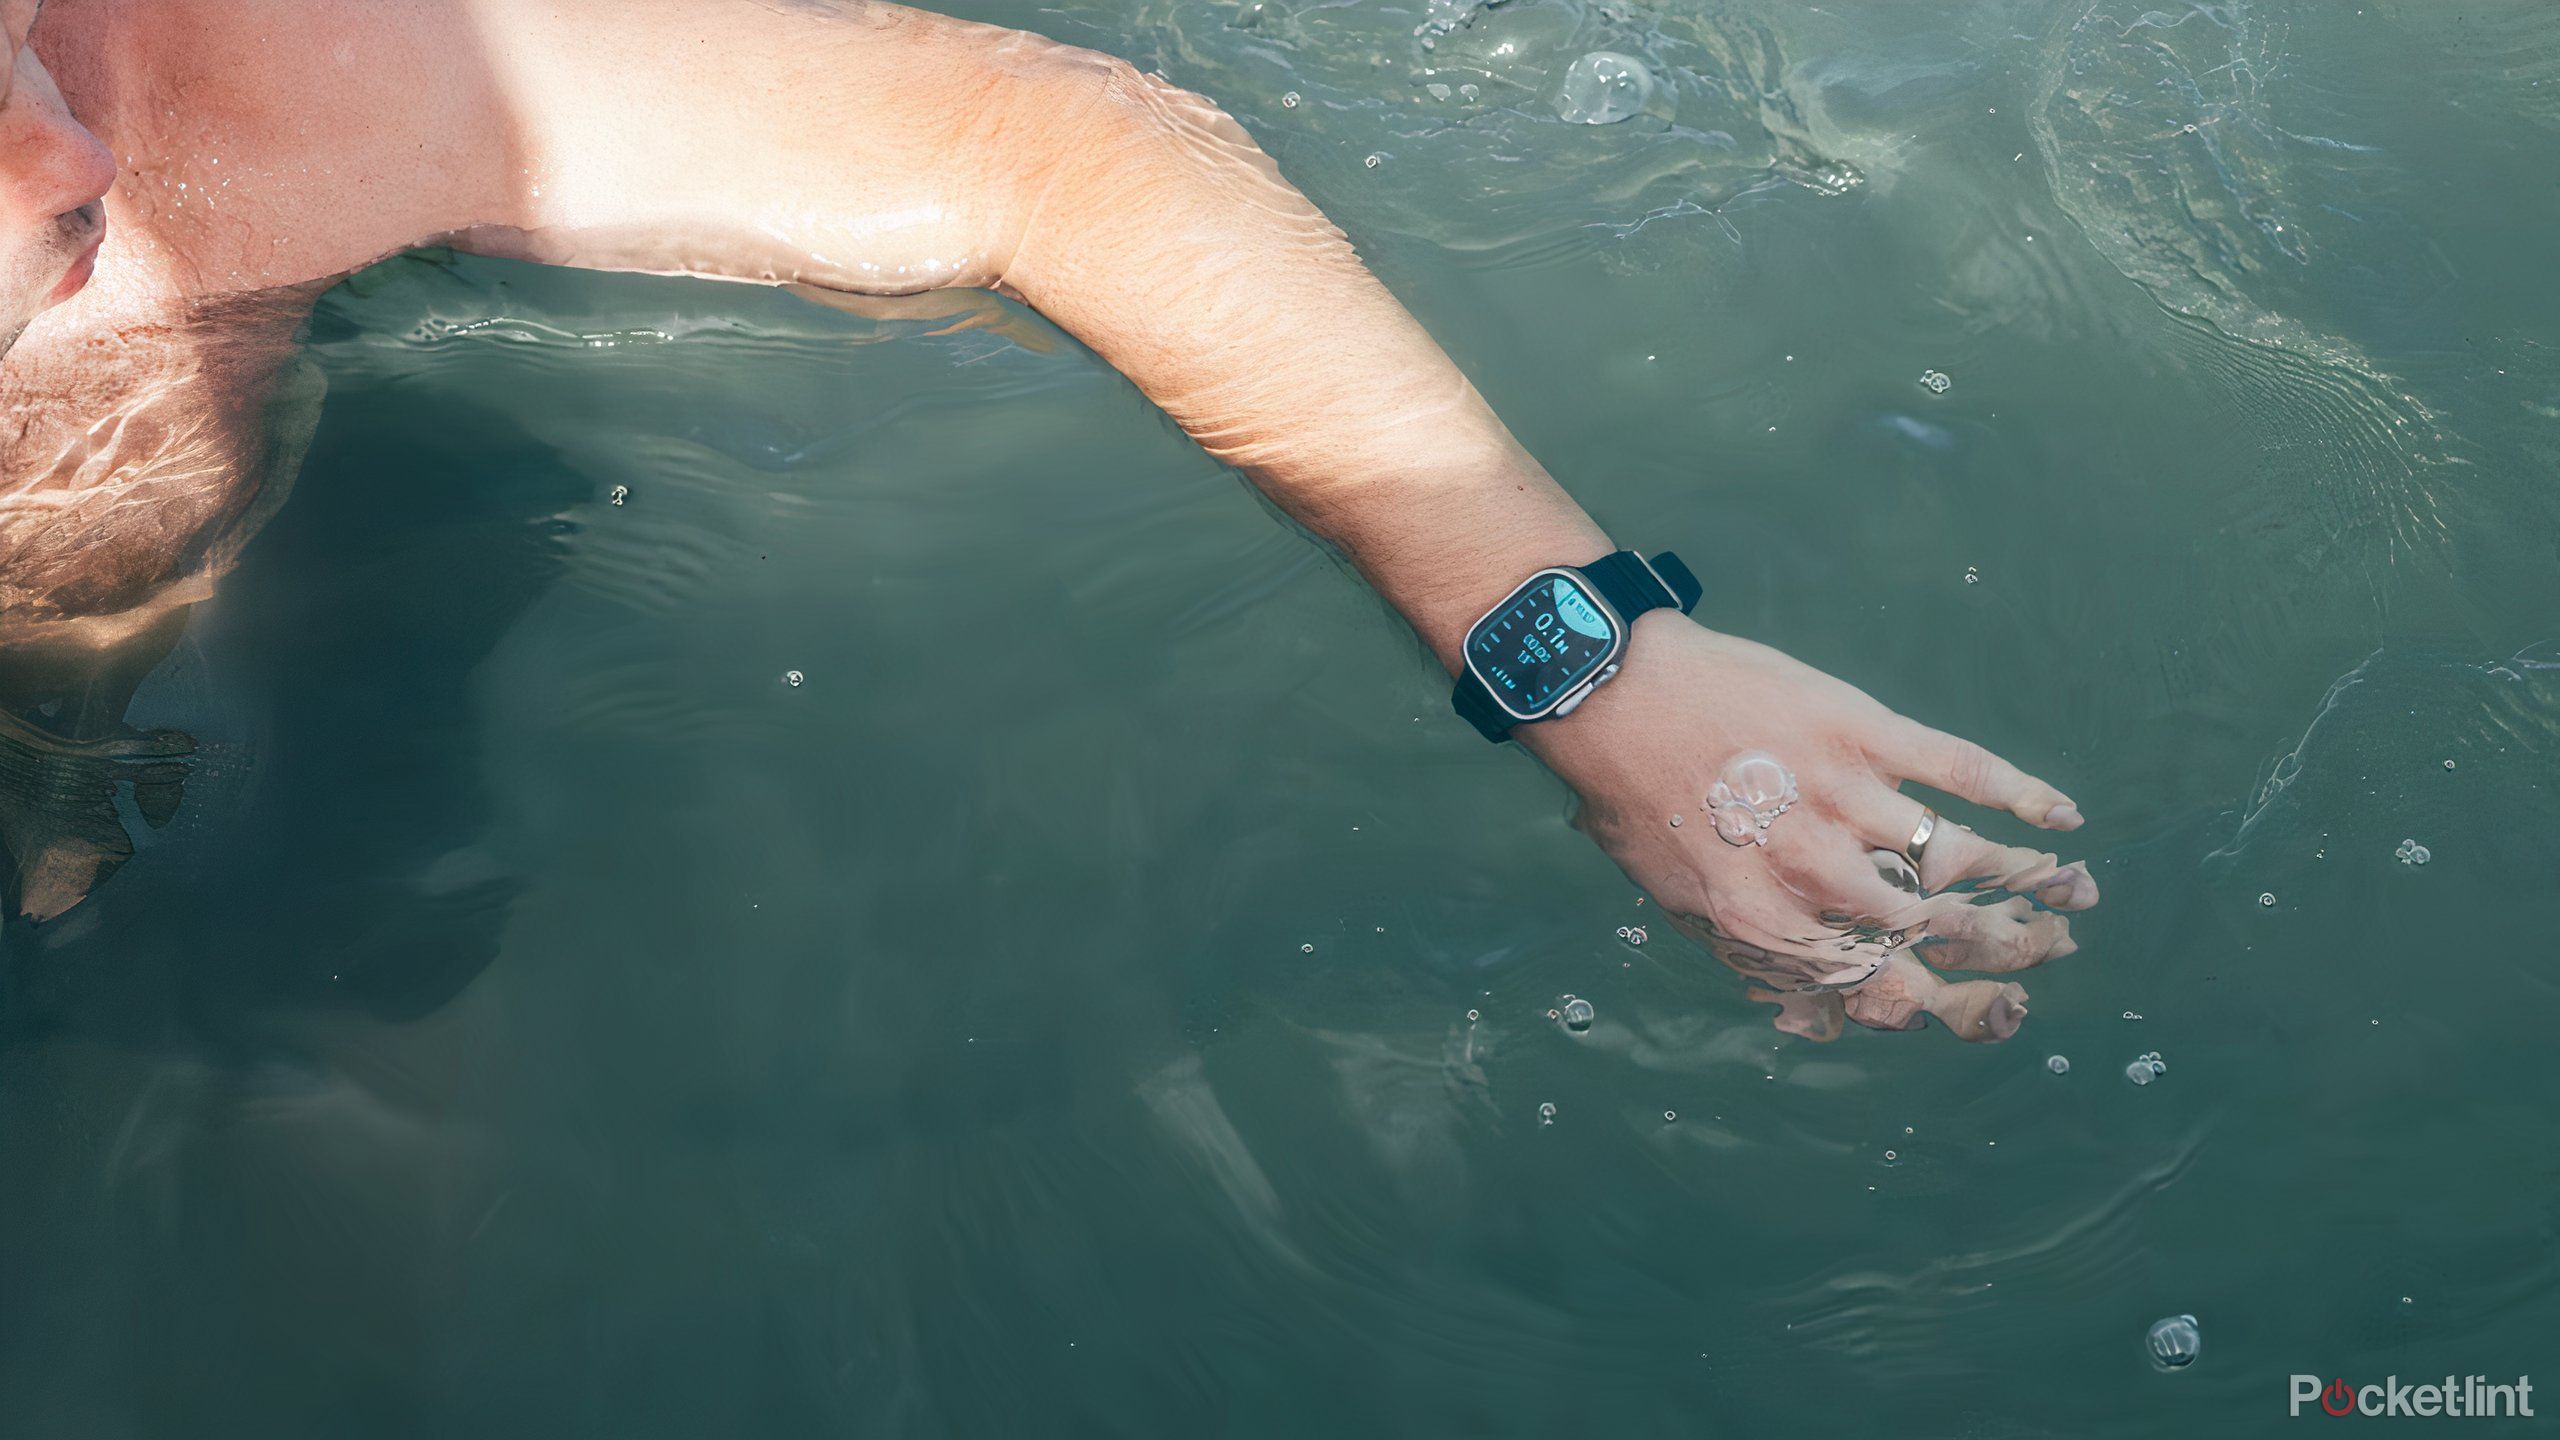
{"points": [[1542, 643]]}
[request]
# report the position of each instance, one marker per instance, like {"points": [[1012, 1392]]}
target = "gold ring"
{"points": [[1920, 834]]}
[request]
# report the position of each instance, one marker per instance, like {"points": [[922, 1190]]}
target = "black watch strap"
{"points": [[1630, 584], [1474, 704]]}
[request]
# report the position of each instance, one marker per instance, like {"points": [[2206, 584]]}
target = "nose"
{"points": [[50, 165]]}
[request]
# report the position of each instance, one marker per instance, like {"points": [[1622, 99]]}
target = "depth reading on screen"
{"points": [[1543, 644]]}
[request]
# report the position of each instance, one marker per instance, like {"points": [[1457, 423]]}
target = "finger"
{"points": [[1981, 1010], [1999, 938], [1974, 1009], [1956, 854], [1815, 1016], [1881, 1005], [1960, 767], [1888, 819]]}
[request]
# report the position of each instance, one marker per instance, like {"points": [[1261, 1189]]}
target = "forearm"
{"points": [[1165, 240]]}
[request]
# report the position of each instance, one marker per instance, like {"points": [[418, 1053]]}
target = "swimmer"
{"points": [[180, 179]]}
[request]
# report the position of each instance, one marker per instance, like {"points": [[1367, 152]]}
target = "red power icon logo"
{"points": [[2339, 1398]]}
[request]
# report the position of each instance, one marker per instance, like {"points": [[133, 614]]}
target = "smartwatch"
{"points": [[1550, 643]]}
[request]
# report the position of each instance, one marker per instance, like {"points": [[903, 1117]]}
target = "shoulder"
{"points": [[269, 143]]}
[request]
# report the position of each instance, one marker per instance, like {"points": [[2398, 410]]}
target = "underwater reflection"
{"points": [[67, 755]]}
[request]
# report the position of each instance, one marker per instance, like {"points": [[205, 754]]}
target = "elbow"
{"points": [[1136, 170]]}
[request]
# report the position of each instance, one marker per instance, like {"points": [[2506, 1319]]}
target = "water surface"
{"points": [[542, 1020]]}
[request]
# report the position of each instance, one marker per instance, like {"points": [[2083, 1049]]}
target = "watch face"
{"points": [[1542, 643]]}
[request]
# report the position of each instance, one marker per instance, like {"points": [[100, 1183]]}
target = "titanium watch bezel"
{"points": [[1606, 667]]}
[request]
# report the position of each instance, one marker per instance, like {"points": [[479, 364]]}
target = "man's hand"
{"points": [[1816, 913]]}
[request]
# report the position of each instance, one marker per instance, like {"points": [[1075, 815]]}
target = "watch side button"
{"points": [[1574, 701]]}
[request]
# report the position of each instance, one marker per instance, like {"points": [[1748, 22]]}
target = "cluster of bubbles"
{"points": [[2174, 1343], [1935, 381], [2413, 853], [1754, 790], [2146, 1067], [1603, 88], [1633, 934]]}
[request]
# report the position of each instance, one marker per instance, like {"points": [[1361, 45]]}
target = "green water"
{"points": [[542, 1020]]}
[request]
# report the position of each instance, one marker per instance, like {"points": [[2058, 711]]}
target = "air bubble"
{"points": [[2133, 1014], [2058, 1064], [1289, 101], [1373, 160], [1473, 1017], [2413, 853], [1935, 381], [1603, 88], [1546, 1112], [1890, 1158], [792, 677], [1754, 790], [1636, 935], [2269, 898], [1577, 1014], [620, 494], [1668, 1116], [2448, 764], [2174, 1343], [2146, 1068]]}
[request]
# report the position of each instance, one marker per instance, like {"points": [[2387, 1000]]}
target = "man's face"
{"points": [[53, 175]]}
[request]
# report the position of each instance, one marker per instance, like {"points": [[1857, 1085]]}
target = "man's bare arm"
{"points": [[868, 147], [877, 148], [871, 147]]}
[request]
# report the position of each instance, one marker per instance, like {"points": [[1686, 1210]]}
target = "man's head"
{"points": [[53, 175]]}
